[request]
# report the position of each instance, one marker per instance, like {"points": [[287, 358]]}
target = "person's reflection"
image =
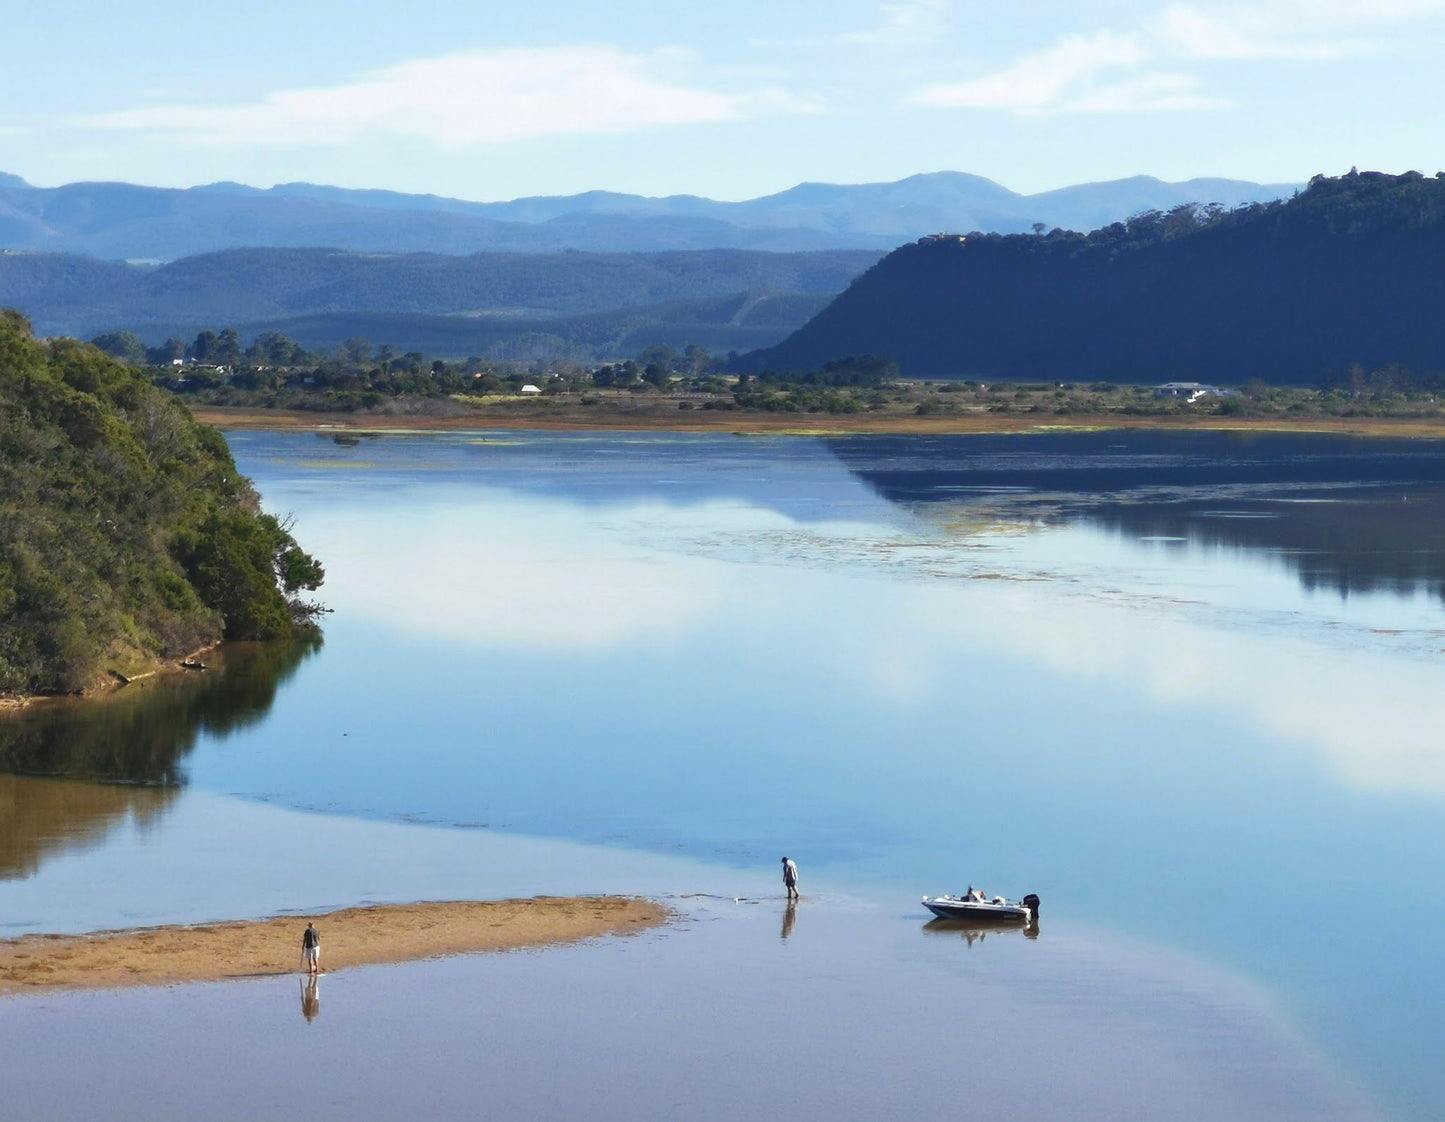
{"points": [[311, 997], [790, 917]]}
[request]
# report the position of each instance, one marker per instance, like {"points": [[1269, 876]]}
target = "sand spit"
{"points": [[577, 419], [350, 937]]}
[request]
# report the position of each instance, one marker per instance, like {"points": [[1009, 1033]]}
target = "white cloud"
{"points": [[1145, 93], [469, 99], [904, 23], [1070, 77], [1284, 30], [1240, 35], [1354, 12], [1145, 69]]}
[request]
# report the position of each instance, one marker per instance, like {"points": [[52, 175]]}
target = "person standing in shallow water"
{"points": [[311, 949], [790, 877]]}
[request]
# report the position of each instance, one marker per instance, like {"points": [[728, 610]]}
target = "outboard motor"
{"points": [[1031, 902]]}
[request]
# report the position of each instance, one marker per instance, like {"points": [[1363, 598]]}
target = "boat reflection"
{"points": [[976, 930]]}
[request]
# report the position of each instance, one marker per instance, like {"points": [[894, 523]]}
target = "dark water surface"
{"points": [[1187, 687]]}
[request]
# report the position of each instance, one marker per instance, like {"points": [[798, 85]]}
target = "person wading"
{"points": [[311, 949], [790, 877]]}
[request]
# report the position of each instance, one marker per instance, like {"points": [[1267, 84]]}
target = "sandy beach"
{"points": [[350, 937]]}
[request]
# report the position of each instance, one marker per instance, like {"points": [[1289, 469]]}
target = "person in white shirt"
{"points": [[790, 877]]}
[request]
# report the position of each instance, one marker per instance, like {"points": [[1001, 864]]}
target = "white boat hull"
{"points": [[954, 907]]}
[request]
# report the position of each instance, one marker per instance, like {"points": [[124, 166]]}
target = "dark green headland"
{"points": [[126, 533]]}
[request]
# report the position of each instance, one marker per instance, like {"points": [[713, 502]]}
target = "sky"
{"points": [[483, 100]]}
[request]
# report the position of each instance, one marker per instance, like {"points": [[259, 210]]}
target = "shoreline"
{"points": [[111, 681], [794, 424], [361, 936]]}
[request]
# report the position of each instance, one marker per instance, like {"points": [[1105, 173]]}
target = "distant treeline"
{"points": [[276, 371], [1350, 270], [126, 533]]}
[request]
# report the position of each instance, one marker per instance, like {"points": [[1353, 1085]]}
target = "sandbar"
{"points": [[576, 419], [350, 937]]}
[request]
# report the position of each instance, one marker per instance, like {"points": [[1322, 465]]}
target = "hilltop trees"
{"points": [[272, 348], [123, 345], [1350, 270]]}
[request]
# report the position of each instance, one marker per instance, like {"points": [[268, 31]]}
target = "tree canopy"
{"points": [[126, 533]]}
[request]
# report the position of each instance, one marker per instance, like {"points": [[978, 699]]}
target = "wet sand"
{"points": [[350, 937], [574, 419]]}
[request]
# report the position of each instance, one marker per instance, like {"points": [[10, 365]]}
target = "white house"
{"points": [[1189, 391], [530, 389]]}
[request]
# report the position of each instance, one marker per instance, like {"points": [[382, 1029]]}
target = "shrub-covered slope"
{"points": [[126, 533], [1351, 270]]}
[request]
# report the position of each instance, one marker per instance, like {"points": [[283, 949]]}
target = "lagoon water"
{"points": [[1186, 687]]}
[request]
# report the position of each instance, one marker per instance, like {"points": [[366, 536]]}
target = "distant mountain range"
{"points": [[501, 305], [120, 221], [1350, 270]]}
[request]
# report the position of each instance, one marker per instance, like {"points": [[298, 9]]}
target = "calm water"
{"points": [[1185, 687]]}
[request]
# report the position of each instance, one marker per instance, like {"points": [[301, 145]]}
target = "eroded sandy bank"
{"points": [[350, 937]]}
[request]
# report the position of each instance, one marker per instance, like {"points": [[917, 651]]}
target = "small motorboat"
{"points": [[975, 906]]}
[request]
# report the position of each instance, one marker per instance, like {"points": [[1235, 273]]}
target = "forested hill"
{"points": [[83, 296], [126, 533], [1350, 270]]}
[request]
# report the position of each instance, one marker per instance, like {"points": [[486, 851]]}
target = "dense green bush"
{"points": [[126, 533]]}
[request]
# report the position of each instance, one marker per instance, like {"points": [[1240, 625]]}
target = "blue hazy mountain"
{"points": [[125, 221]]}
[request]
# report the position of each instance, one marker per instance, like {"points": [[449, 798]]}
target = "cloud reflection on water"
{"points": [[1137, 730], [541, 573], [518, 573]]}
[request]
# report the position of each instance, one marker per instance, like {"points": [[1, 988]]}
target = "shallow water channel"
{"points": [[1186, 687]]}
